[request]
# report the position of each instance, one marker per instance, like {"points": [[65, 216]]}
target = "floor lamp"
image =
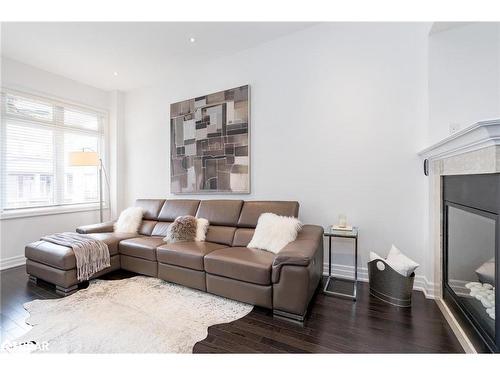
{"points": [[89, 159]]}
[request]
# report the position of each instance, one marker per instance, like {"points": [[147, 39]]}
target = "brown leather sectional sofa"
{"points": [[223, 265]]}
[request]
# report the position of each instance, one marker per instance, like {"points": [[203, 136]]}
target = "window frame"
{"points": [[59, 206]]}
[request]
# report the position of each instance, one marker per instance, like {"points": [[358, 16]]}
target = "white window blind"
{"points": [[37, 135]]}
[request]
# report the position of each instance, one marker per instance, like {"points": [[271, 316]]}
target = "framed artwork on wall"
{"points": [[210, 143]]}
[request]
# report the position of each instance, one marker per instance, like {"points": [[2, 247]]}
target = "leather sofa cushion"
{"points": [[220, 212], [186, 254], [160, 228], [146, 227], [48, 253], [251, 211], [62, 257], [243, 236], [220, 234], [112, 239], [141, 247], [151, 207], [241, 263], [173, 208]]}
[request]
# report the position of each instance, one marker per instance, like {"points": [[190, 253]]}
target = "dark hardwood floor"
{"points": [[333, 325]]}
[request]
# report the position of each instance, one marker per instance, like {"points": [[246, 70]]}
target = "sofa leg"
{"points": [[66, 291], [32, 279], [290, 316]]}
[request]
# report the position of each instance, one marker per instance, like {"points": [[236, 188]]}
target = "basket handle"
{"points": [[381, 264]]}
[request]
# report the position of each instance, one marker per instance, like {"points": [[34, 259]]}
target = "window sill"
{"points": [[44, 211]]}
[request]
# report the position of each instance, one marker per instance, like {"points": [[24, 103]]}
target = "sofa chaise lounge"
{"points": [[222, 265]]}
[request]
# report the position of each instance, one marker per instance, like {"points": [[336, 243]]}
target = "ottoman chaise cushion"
{"points": [[48, 253], [62, 257]]}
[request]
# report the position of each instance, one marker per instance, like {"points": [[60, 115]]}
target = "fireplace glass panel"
{"points": [[471, 264]]}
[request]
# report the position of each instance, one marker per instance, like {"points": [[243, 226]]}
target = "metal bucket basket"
{"points": [[388, 285]]}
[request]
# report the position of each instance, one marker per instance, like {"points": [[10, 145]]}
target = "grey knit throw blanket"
{"points": [[91, 255]]}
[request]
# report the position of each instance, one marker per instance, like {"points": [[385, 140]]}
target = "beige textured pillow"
{"points": [[182, 229]]}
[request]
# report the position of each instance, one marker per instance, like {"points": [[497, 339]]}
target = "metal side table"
{"points": [[342, 234]]}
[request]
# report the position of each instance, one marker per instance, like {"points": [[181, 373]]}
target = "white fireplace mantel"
{"points": [[480, 135], [473, 150]]}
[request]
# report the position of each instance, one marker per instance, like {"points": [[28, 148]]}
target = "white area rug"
{"points": [[136, 315]]}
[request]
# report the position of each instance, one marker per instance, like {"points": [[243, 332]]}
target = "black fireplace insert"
{"points": [[471, 234]]}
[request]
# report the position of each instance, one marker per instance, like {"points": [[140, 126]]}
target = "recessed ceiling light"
{"points": [[192, 40], [115, 73]]}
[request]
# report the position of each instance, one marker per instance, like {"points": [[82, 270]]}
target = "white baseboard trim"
{"points": [[421, 283], [12, 262]]}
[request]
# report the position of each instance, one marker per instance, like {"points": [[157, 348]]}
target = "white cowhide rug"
{"points": [[135, 315]]}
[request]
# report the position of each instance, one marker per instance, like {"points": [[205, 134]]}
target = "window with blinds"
{"points": [[37, 135]]}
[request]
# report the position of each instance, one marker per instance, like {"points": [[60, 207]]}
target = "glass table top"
{"points": [[341, 233]]}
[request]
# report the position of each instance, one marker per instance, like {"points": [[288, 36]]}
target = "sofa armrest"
{"points": [[96, 228], [299, 252]]}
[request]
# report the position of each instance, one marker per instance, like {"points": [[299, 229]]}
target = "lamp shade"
{"points": [[83, 159]]}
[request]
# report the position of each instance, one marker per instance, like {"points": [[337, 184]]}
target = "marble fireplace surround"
{"points": [[473, 150]]}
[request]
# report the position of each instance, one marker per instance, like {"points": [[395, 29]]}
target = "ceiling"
{"points": [[139, 52]]}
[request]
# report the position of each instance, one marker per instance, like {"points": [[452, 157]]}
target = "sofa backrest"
{"points": [[151, 209], [242, 237], [173, 208], [250, 213], [232, 221], [223, 215], [220, 211], [170, 210]]}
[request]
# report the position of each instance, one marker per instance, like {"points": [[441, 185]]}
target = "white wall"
{"points": [[464, 77], [17, 232], [338, 113], [116, 152]]}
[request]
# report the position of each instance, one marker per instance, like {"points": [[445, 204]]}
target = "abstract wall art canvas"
{"points": [[209, 143]]}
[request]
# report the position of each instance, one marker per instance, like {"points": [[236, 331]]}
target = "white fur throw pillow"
{"points": [[201, 229], [129, 221], [400, 262], [274, 232]]}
